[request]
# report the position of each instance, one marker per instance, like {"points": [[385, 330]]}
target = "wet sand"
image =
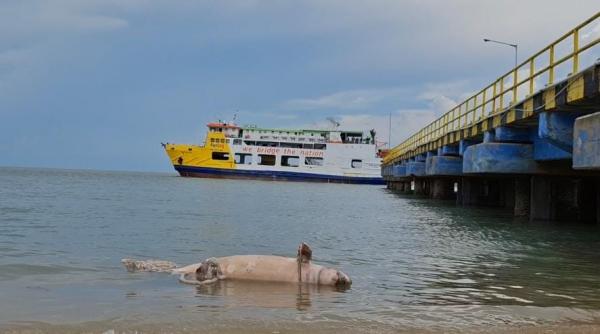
{"points": [[252, 327]]}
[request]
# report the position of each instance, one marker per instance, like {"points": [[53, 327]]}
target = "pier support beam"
{"points": [[467, 191], [499, 158], [544, 150], [522, 196], [586, 145], [417, 185], [415, 168], [597, 183], [541, 198], [448, 150], [512, 135], [484, 191], [405, 187], [557, 128], [564, 199], [464, 144], [442, 188], [399, 171], [443, 165]]}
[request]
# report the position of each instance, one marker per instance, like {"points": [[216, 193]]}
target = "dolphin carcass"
{"points": [[249, 267]]}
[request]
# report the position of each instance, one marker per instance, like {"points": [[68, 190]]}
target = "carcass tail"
{"points": [[148, 265]]}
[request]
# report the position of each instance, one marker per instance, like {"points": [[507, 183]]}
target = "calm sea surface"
{"points": [[415, 263]]}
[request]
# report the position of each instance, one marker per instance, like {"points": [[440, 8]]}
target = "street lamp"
{"points": [[504, 43]]}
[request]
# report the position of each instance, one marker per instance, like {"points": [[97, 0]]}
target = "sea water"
{"points": [[416, 264]]}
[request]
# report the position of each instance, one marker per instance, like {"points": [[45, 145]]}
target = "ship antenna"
{"points": [[333, 122]]}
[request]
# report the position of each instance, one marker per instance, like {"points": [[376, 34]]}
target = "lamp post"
{"points": [[509, 44]]}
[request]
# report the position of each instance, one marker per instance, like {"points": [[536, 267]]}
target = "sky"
{"points": [[99, 84]]}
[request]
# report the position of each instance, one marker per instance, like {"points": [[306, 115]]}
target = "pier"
{"points": [[528, 142]]}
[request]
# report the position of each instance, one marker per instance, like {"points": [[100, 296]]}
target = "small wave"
{"points": [[14, 271], [560, 296], [502, 296], [459, 281], [10, 209]]}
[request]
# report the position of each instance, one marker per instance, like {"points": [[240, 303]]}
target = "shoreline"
{"points": [[123, 326]]}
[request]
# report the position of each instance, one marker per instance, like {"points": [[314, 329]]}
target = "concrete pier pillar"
{"points": [[496, 192], [404, 187], [466, 189], [419, 187], [541, 198], [587, 200], [458, 194], [521, 196], [597, 201], [441, 188], [401, 186]]}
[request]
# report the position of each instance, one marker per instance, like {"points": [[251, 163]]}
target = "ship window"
{"points": [[320, 146], [356, 163], [309, 146], [266, 160], [290, 145], [250, 142], [243, 158], [290, 161], [220, 156], [222, 141], [313, 161], [237, 142], [263, 143]]}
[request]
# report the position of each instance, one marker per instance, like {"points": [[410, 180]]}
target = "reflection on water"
{"points": [[414, 263], [266, 294]]}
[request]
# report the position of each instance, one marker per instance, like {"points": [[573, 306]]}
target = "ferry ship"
{"points": [[232, 151]]}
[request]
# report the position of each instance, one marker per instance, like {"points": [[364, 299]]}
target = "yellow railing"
{"points": [[520, 82]]}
